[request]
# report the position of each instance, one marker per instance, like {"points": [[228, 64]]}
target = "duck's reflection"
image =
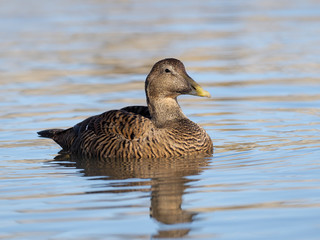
{"points": [[168, 181]]}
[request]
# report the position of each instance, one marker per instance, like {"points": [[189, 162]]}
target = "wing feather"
{"points": [[110, 132]]}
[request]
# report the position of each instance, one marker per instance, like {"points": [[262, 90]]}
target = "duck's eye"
{"points": [[167, 70]]}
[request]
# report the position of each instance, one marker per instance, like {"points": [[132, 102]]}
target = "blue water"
{"points": [[63, 61]]}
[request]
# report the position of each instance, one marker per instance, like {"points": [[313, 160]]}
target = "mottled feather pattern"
{"points": [[110, 133], [122, 134]]}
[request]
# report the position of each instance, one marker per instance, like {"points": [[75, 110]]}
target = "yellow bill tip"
{"points": [[201, 92]]}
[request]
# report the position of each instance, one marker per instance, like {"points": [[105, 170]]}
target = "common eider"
{"points": [[155, 131]]}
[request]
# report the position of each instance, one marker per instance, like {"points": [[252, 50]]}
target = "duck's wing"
{"points": [[103, 134], [110, 134], [124, 124]]}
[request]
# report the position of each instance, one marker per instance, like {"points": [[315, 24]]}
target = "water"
{"points": [[62, 61]]}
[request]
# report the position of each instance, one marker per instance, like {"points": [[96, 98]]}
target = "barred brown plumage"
{"points": [[157, 130]]}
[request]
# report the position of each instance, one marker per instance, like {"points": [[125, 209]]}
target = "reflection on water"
{"points": [[62, 61], [167, 179]]}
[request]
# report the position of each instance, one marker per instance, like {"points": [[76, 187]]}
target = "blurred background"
{"points": [[62, 61]]}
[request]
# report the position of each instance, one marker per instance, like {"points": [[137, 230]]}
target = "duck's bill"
{"points": [[197, 90], [201, 92]]}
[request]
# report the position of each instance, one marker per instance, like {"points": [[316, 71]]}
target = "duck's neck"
{"points": [[163, 110]]}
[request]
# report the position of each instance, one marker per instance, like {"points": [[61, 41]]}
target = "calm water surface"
{"points": [[62, 61]]}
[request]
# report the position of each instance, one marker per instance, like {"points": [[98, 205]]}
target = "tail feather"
{"points": [[49, 133], [63, 137]]}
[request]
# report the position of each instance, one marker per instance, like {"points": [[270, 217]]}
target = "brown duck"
{"points": [[158, 130]]}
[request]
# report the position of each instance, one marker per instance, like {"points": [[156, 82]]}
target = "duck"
{"points": [[158, 130]]}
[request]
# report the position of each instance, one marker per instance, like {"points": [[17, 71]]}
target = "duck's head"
{"points": [[168, 79]]}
